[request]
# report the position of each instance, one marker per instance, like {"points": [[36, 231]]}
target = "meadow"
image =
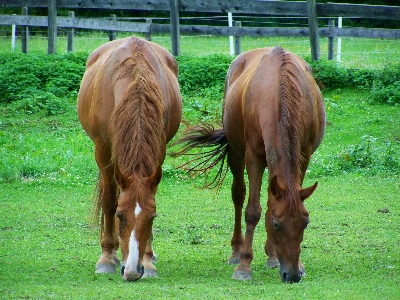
{"points": [[48, 246]]}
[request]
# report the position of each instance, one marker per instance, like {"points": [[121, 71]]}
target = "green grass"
{"points": [[350, 249], [48, 251]]}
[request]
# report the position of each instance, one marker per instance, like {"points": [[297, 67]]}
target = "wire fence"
{"points": [[355, 52]]}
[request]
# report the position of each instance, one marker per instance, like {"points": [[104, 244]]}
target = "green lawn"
{"points": [[350, 249]]}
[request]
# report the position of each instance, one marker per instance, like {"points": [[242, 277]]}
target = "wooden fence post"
{"points": [[331, 39], [237, 38], [148, 34], [313, 28], [25, 32], [174, 27], [71, 34], [52, 27], [113, 33]]}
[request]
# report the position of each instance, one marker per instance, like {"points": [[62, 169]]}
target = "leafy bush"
{"points": [[197, 73], [386, 86], [22, 75], [332, 76], [42, 101], [361, 78], [329, 75]]}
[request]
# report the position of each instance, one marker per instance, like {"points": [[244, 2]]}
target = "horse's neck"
{"points": [[279, 164]]}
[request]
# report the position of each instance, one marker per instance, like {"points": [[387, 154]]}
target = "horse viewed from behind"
{"points": [[273, 117], [130, 106]]}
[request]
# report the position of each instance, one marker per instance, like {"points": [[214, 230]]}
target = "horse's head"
{"points": [[136, 211], [285, 227]]}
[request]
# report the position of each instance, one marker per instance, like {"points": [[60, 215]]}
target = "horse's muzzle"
{"points": [[291, 277]]}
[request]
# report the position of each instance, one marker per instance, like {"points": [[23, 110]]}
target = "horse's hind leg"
{"points": [[238, 190], [108, 260]]}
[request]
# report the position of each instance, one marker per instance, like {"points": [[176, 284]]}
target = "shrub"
{"points": [[197, 73], [329, 75], [361, 78], [42, 101], [386, 85], [22, 75]]}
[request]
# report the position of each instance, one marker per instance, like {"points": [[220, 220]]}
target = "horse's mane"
{"points": [[137, 121], [292, 106]]}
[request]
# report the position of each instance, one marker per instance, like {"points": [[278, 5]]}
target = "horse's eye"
{"points": [[121, 218], [276, 225]]}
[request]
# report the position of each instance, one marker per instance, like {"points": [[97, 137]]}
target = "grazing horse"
{"points": [[273, 117], [130, 106]]}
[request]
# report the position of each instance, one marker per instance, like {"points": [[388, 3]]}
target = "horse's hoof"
{"points": [[116, 261], [105, 268], [150, 273], [242, 275], [234, 260], [272, 263], [302, 271]]}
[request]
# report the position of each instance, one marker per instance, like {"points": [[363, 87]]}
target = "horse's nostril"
{"points": [[122, 270], [284, 277]]}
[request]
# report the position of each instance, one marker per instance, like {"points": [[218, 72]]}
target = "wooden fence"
{"points": [[308, 9]]}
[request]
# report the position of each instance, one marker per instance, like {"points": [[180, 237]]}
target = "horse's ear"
{"points": [[121, 179], [154, 179], [275, 188], [307, 192]]}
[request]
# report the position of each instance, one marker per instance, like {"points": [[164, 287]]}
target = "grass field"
{"points": [[351, 248]]}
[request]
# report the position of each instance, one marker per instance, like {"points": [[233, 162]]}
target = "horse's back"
{"points": [[110, 71]]}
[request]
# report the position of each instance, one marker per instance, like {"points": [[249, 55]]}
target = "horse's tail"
{"points": [[201, 137], [97, 218]]}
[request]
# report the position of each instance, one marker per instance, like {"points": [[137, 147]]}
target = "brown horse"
{"points": [[130, 106], [273, 117]]}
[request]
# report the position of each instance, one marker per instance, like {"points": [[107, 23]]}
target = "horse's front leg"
{"points": [[272, 261], [149, 258], [236, 165], [108, 260], [255, 169]]}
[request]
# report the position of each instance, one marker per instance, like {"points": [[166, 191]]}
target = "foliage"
{"points": [[386, 86], [332, 76], [197, 73], [24, 76]]}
